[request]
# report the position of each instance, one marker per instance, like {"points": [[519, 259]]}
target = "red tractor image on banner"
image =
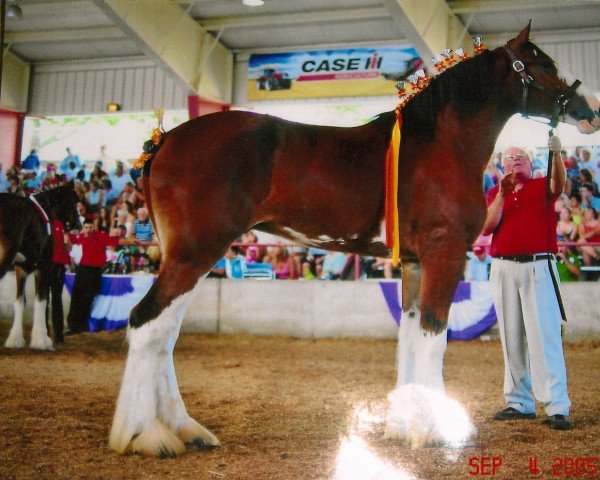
{"points": [[271, 79]]}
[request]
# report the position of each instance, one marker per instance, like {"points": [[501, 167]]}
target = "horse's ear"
{"points": [[524, 35]]}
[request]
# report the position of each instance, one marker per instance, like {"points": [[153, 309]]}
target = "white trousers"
{"points": [[529, 321]]}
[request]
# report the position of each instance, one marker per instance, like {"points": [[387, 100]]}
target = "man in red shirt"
{"points": [[523, 222], [88, 274], [60, 258]]}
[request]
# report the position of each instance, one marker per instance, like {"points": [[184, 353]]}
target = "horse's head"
{"points": [[62, 201], [540, 90]]}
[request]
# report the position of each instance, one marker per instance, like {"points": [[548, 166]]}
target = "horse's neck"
{"points": [[49, 208]]}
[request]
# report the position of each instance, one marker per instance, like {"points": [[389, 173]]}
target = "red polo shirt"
{"points": [[528, 222], [94, 248], [60, 253]]}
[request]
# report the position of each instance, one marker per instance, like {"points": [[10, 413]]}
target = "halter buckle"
{"points": [[527, 80], [518, 66]]}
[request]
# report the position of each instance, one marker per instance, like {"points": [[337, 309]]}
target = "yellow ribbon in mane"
{"points": [[391, 192]]}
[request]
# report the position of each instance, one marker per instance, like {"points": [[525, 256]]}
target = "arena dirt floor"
{"points": [[283, 409]]}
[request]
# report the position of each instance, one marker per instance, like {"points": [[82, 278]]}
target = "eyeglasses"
{"points": [[516, 155]]}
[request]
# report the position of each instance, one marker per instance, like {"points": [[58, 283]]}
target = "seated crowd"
{"points": [[117, 206]]}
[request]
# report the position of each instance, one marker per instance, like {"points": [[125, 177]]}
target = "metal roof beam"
{"points": [[35, 36], [461, 7], [337, 15], [174, 40], [430, 25], [549, 36]]}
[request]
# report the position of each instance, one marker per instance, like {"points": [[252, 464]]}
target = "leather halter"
{"points": [[561, 101]]}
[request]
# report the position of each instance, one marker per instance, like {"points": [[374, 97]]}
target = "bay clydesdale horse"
{"points": [[217, 176]]}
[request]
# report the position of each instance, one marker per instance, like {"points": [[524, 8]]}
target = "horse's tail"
{"points": [[10, 231]]}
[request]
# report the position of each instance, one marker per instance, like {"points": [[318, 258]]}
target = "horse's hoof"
{"points": [[200, 445], [14, 342], [43, 344], [196, 436], [156, 441], [420, 417]]}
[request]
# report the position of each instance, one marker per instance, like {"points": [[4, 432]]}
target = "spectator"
{"points": [[478, 265], [587, 197], [493, 171], [82, 212], [586, 161], [333, 265], [31, 162], [94, 197], [232, 265], [585, 177], [14, 186], [119, 179], [284, 265], [32, 181], [60, 259], [3, 180], [72, 171], [142, 232], [130, 195], [252, 253], [139, 190], [572, 164], [312, 264], [49, 178], [65, 165], [576, 208], [109, 194], [103, 221], [562, 201], [566, 230], [589, 232], [88, 275], [97, 173], [379, 267], [568, 264]]}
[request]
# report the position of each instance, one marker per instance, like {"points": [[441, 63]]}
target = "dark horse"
{"points": [[27, 243], [217, 176]]}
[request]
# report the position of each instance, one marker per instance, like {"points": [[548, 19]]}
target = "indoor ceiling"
{"points": [[67, 30]]}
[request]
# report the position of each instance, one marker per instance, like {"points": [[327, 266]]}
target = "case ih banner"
{"points": [[330, 73]]}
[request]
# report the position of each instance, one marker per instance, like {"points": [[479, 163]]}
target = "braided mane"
{"points": [[466, 86]]}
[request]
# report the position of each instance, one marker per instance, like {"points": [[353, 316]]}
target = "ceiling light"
{"points": [[13, 10], [253, 3]]}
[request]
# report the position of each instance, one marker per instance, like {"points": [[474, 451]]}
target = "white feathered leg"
{"points": [[150, 417], [39, 332], [15, 338], [419, 412]]}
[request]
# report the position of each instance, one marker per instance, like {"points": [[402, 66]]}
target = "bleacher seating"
{"points": [[259, 271]]}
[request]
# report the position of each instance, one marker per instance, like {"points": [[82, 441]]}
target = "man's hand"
{"points": [[507, 185], [554, 144]]}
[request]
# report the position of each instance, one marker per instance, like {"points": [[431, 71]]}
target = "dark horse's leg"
{"points": [[15, 338], [39, 331]]}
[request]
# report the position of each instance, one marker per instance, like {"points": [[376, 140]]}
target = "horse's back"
{"points": [[275, 171]]}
